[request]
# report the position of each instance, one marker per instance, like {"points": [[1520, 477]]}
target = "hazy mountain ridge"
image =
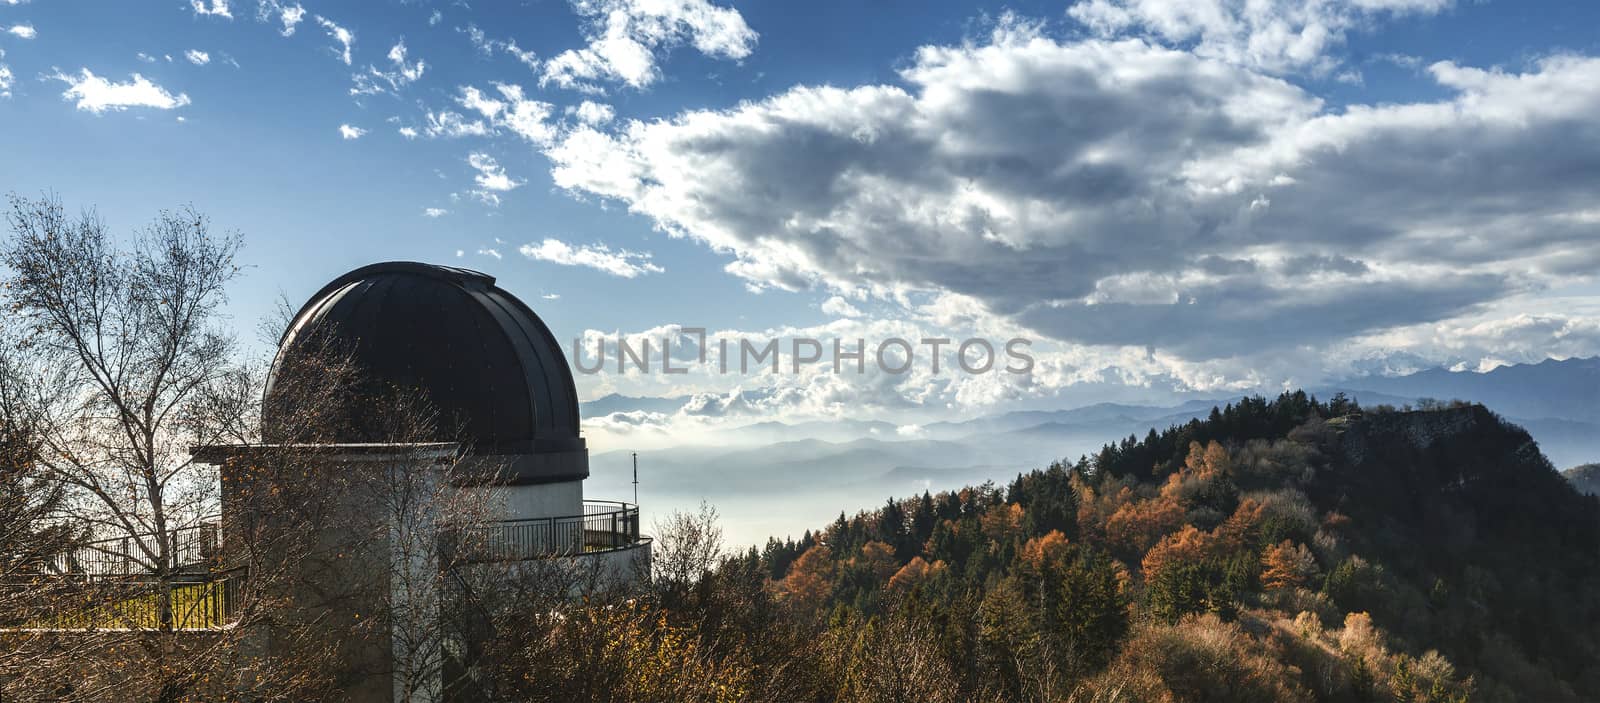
{"points": [[1553, 388], [1557, 401], [1558, 389], [827, 465], [618, 403], [797, 464]]}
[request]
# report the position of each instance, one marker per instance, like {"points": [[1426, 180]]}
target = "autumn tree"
{"points": [[877, 560], [1199, 659], [810, 579], [1136, 526], [913, 574], [898, 658], [1287, 565]]}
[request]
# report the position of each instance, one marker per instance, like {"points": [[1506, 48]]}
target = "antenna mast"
{"points": [[635, 479]]}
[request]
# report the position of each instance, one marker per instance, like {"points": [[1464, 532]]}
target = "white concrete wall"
{"points": [[542, 500], [626, 568]]}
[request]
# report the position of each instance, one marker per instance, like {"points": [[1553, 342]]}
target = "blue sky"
{"points": [[1167, 196]]}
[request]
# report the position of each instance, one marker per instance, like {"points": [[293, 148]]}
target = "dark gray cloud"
{"points": [[1113, 192], [1245, 316]]}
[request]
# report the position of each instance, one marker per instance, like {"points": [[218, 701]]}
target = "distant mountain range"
{"points": [[618, 403], [826, 462], [1557, 401], [1551, 389]]}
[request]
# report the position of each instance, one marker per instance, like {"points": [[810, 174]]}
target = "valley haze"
{"points": [[770, 478]]}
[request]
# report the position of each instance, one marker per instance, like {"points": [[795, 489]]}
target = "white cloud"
{"points": [[408, 132], [526, 58], [592, 113], [408, 72], [812, 391], [146, 58], [25, 31], [1274, 35], [1113, 193], [435, 18], [287, 15], [452, 124], [5, 80], [512, 111], [480, 41], [839, 307], [434, 212], [551, 296], [348, 132], [402, 73], [217, 8], [619, 262], [625, 36], [344, 37], [96, 94], [491, 179], [490, 252], [910, 430], [486, 46], [197, 57]]}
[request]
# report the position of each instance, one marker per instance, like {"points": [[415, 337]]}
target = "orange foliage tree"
{"points": [[810, 578], [1287, 565], [1136, 527], [1188, 545]]}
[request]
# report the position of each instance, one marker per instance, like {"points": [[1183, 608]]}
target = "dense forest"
{"points": [[1283, 550]]}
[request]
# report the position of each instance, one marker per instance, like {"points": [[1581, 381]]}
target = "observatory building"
{"points": [[481, 358], [505, 423]]}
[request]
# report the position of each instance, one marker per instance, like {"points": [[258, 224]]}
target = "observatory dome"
{"points": [[481, 357]]}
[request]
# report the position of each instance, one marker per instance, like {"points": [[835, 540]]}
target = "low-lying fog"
{"points": [[774, 479]]}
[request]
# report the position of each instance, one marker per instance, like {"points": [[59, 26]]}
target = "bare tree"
{"points": [[134, 335], [333, 570], [31, 533], [687, 547]]}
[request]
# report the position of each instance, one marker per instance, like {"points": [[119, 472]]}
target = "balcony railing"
{"points": [[603, 526], [128, 556], [112, 584], [192, 602]]}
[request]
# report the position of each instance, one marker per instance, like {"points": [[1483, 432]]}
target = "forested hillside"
{"points": [[1285, 550]]}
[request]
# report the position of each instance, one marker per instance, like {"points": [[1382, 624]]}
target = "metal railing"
{"points": [[189, 602], [603, 526], [128, 556]]}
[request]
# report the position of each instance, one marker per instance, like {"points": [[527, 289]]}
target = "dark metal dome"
{"points": [[484, 360]]}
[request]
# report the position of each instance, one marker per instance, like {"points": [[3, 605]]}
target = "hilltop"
{"points": [[1283, 550]]}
